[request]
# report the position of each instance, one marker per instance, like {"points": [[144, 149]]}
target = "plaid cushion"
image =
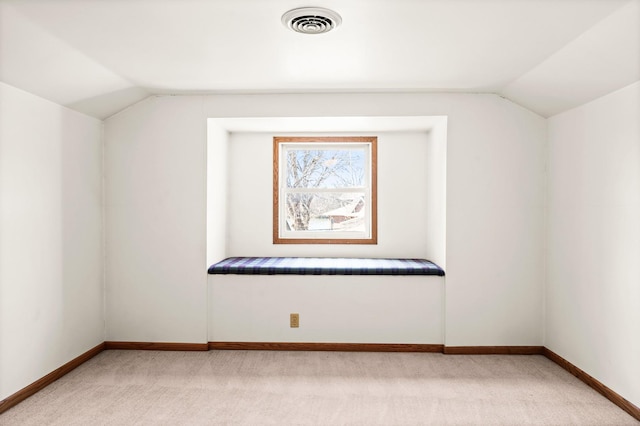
{"points": [[324, 266]]}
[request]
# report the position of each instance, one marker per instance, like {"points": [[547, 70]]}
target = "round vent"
{"points": [[311, 20]]}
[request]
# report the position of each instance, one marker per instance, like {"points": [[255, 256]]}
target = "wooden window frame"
{"points": [[372, 141]]}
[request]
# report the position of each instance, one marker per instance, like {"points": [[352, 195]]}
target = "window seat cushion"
{"points": [[324, 266]]}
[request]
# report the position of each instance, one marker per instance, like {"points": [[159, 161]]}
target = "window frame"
{"points": [[279, 145]]}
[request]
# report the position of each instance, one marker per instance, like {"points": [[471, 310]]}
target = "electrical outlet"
{"points": [[294, 320]]}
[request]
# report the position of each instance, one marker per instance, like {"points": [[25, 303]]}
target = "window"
{"points": [[324, 190]]}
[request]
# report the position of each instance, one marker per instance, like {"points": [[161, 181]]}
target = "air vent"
{"points": [[311, 20]]}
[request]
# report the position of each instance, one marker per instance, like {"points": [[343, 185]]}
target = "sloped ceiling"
{"points": [[99, 56]]}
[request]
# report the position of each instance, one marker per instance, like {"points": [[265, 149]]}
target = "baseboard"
{"points": [[45, 381], [594, 383], [156, 346], [378, 347], [337, 347], [493, 350]]}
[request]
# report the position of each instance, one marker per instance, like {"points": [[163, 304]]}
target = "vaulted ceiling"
{"points": [[99, 56]]}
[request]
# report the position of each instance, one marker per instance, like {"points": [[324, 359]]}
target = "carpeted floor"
{"points": [[315, 388]]}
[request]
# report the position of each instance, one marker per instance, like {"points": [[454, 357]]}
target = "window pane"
{"points": [[324, 190], [325, 168], [329, 211]]}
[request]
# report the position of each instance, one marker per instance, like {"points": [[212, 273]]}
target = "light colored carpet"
{"points": [[315, 388]]}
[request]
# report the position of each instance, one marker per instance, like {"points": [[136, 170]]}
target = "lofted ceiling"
{"points": [[99, 56]]}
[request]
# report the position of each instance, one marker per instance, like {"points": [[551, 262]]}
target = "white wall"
{"points": [[217, 193], [333, 309], [51, 287], [155, 210], [495, 225], [436, 214], [402, 199], [593, 278]]}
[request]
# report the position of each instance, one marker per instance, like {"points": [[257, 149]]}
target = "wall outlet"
{"points": [[294, 320]]}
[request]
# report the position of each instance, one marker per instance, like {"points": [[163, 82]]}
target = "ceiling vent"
{"points": [[311, 20]]}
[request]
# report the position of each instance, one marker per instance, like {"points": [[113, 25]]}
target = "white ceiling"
{"points": [[99, 56]]}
